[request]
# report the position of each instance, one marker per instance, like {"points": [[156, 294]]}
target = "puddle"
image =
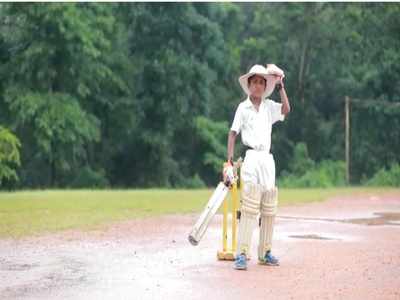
{"points": [[381, 218], [312, 237], [8, 266]]}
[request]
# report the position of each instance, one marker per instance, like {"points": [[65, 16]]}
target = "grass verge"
{"points": [[27, 213]]}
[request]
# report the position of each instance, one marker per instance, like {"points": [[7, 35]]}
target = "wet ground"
{"points": [[344, 248]]}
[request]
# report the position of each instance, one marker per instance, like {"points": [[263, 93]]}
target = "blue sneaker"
{"points": [[269, 259], [241, 262]]}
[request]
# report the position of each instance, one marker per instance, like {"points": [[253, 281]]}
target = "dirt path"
{"points": [[344, 248]]}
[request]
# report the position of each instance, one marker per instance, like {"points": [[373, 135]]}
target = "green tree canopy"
{"points": [[143, 94]]}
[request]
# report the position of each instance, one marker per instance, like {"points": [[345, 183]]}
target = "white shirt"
{"points": [[256, 127]]}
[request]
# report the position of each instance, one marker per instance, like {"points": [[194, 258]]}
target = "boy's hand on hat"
{"points": [[281, 81], [273, 69]]}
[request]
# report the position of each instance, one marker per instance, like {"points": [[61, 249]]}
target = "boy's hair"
{"points": [[252, 76]]}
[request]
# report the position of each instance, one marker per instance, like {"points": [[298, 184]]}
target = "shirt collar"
{"points": [[249, 104]]}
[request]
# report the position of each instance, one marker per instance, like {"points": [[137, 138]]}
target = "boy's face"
{"points": [[257, 86]]}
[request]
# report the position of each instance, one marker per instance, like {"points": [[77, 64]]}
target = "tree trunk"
{"points": [[53, 171]]}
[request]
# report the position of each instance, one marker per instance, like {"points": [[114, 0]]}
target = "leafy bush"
{"points": [[383, 177], [300, 162], [213, 136], [88, 178], [194, 182], [328, 173], [9, 155], [304, 172]]}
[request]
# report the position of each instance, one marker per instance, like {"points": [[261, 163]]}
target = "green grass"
{"points": [[36, 212]]}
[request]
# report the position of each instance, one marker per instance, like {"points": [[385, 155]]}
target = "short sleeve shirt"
{"points": [[256, 127]]}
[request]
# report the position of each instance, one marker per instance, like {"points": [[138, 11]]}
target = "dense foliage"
{"points": [[142, 94]]}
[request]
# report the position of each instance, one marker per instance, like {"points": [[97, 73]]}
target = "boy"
{"points": [[254, 118]]}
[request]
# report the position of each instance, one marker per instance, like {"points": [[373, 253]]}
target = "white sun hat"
{"points": [[271, 74]]}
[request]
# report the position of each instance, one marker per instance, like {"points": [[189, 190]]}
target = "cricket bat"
{"points": [[208, 213]]}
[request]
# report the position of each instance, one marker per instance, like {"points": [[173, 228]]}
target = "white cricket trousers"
{"points": [[258, 168]]}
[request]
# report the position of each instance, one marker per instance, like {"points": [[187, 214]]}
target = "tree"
{"points": [[138, 94], [61, 53], [178, 53], [9, 155]]}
